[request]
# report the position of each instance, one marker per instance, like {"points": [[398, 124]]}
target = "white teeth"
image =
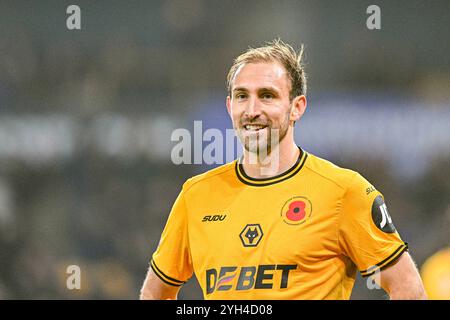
{"points": [[254, 127]]}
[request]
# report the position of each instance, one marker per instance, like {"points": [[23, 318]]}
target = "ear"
{"points": [[229, 105], [298, 108]]}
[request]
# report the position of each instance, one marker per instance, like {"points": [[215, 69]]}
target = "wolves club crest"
{"points": [[251, 235]]}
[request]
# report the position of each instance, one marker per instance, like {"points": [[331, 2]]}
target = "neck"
{"points": [[280, 159]]}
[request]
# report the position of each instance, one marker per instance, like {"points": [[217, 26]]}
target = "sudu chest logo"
{"points": [[216, 217]]}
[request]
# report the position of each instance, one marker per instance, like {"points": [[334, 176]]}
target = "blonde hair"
{"points": [[275, 50]]}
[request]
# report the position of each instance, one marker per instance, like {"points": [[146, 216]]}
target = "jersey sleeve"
{"points": [[172, 261], [366, 231]]}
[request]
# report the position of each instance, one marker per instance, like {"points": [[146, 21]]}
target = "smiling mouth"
{"points": [[254, 127]]}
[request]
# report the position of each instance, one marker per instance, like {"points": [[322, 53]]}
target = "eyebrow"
{"points": [[239, 89], [269, 88]]}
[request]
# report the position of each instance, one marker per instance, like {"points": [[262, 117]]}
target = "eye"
{"points": [[240, 96], [267, 96]]}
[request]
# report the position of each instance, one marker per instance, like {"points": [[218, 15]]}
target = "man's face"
{"points": [[259, 105]]}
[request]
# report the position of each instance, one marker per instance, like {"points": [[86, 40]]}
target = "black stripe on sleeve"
{"points": [[164, 277], [386, 262]]}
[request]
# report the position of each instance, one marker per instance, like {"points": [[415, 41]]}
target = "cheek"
{"points": [[278, 115], [237, 111], [235, 115]]}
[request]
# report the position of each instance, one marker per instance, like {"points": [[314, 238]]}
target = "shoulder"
{"points": [[355, 191], [342, 178], [210, 177]]}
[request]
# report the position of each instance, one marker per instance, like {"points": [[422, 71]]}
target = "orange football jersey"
{"points": [[300, 235]]}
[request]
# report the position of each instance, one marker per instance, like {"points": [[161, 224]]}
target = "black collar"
{"points": [[261, 182]]}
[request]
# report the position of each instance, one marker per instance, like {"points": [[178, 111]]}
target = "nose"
{"points": [[252, 109]]}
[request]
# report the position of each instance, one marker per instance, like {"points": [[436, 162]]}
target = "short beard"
{"points": [[262, 146]]}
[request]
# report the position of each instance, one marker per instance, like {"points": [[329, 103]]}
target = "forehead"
{"points": [[261, 74]]}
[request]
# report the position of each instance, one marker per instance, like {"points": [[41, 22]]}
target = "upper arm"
{"points": [[366, 231], [402, 280], [369, 237], [171, 263], [155, 289]]}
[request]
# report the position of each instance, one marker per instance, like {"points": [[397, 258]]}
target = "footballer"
{"points": [[288, 225]]}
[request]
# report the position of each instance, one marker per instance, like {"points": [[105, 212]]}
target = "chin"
{"points": [[258, 148]]}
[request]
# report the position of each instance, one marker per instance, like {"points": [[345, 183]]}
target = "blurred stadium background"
{"points": [[86, 118]]}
